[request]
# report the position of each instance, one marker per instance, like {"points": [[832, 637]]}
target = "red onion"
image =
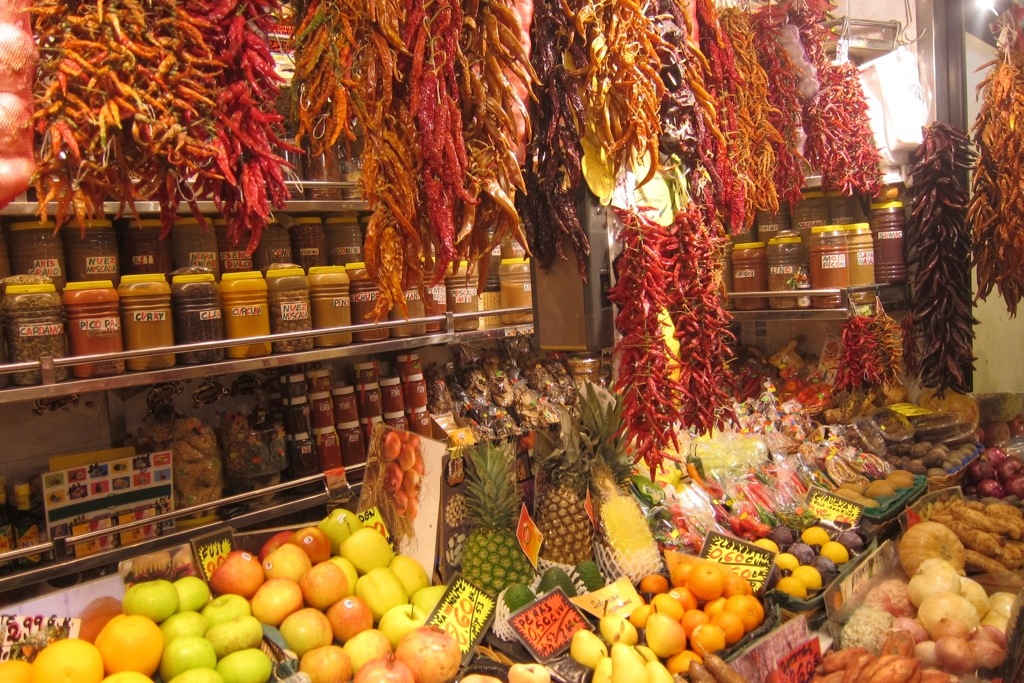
{"points": [[912, 627], [1007, 469], [994, 455], [987, 654], [991, 488], [979, 471], [991, 634], [955, 655], [1015, 486]]}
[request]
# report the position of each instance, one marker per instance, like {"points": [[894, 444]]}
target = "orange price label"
{"points": [[588, 505], [529, 536], [373, 519], [465, 612], [746, 559], [828, 506], [546, 625]]}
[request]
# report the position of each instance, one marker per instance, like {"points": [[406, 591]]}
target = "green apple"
{"points": [[306, 630], [338, 526], [381, 590], [186, 653], [156, 600], [193, 593], [350, 570], [365, 647], [411, 573], [225, 608], [183, 624], [246, 666], [427, 598], [198, 676], [240, 633], [366, 549], [400, 620]]}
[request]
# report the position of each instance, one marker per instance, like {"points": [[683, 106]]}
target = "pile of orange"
{"points": [[715, 607]]}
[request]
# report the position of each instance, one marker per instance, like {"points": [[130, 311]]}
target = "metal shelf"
{"points": [[28, 209], [847, 309], [833, 314]]}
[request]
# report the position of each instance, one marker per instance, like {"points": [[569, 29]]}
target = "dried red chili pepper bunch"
{"points": [[939, 249], [872, 351]]}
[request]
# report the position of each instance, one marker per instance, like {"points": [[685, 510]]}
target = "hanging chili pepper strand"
{"points": [[872, 352], [678, 103], [939, 248]]}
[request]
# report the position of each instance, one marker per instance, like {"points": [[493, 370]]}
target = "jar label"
{"points": [[865, 258], [830, 261], [889, 235], [781, 270], [461, 296], [243, 311], [743, 273], [808, 224], [279, 253], [347, 251], [236, 260], [46, 330], [210, 314], [341, 302], [294, 310], [202, 259], [518, 249], [45, 266], [309, 251], [143, 260], [412, 295], [437, 293], [496, 251], [528, 287], [96, 326], [100, 265], [149, 316], [364, 297]]}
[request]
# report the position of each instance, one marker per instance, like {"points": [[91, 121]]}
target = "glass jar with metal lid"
{"points": [[231, 254], [888, 221], [516, 289], [243, 297], [510, 248], [811, 212], [90, 251], [364, 293], [750, 274], [344, 239], [435, 303], [462, 295], [275, 247], [197, 316], [309, 242], [787, 270], [725, 258], [289, 307], [145, 253], [94, 326], [770, 224], [332, 305], [36, 250], [861, 260], [829, 263], [843, 209], [146, 319], [415, 309], [33, 318], [195, 245]]}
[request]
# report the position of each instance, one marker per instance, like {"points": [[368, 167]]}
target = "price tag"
{"points": [[546, 625], [372, 518], [461, 436], [828, 506], [465, 612], [799, 664], [25, 635], [618, 597], [210, 550], [909, 410], [746, 559], [530, 537], [588, 505]]}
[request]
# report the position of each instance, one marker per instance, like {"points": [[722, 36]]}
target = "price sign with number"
{"points": [[619, 597], [828, 506], [799, 664], [546, 625], [530, 537], [465, 612], [746, 559], [372, 518], [25, 635], [210, 550]]}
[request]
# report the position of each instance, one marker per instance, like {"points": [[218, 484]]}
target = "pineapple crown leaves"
{"points": [[493, 497], [564, 456], [601, 413]]}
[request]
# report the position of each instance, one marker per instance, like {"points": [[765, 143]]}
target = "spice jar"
{"points": [[843, 209], [787, 270], [275, 246], [94, 326], [343, 397], [297, 415], [420, 422], [366, 372], [369, 399], [323, 168], [36, 250], [197, 316], [888, 221], [516, 289], [363, 293], [90, 251], [5, 258], [811, 212], [510, 248], [408, 364], [770, 224], [309, 243], [396, 420], [302, 461], [750, 274], [145, 253], [318, 380], [415, 309], [328, 448], [861, 260], [293, 385], [195, 245], [344, 240], [462, 298], [725, 258], [146, 319], [829, 265], [353, 448], [34, 328], [321, 410], [231, 254], [243, 297], [392, 399], [435, 303], [415, 390], [332, 306], [289, 308]]}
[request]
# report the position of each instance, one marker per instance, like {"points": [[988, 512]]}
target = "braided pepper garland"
{"points": [[872, 352]]}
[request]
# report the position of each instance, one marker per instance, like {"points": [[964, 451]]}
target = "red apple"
{"points": [[240, 573], [385, 670], [432, 654], [314, 542], [348, 617], [327, 664], [275, 600], [273, 543], [323, 585]]}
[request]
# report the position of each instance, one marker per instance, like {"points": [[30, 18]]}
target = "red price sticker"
{"points": [[746, 559], [373, 519], [799, 665], [829, 507], [546, 626], [465, 612], [530, 537]]}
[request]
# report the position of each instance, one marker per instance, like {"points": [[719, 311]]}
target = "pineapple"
{"points": [[493, 559], [626, 546], [561, 512]]}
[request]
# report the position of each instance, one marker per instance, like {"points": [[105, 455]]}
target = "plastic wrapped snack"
{"points": [[196, 458]]}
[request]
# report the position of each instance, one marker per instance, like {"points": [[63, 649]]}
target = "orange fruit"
{"points": [[680, 663], [707, 581], [15, 671], [653, 583], [681, 573], [707, 639], [68, 661], [685, 597], [748, 608], [692, 619], [714, 607], [130, 643], [731, 625], [737, 585], [666, 604], [639, 616]]}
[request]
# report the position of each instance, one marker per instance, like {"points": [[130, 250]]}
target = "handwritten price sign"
{"points": [[746, 559], [211, 550], [530, 537], [25, 635], [799, 665], [372, 518], [546, 626], [618, 597], [836, 509], [465, 612]]}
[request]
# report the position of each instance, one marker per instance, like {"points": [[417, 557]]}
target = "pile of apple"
{"points": [[616, 656]]}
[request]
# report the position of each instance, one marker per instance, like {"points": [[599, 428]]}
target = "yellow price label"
{"points": [[465, 612], [909, 409], [462, 436], [373, 519], [619, 598], [530, 537], [751, 562], [828, 506]]}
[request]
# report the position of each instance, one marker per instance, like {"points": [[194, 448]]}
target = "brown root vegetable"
{"points": [[898, 643], [839, 660], [698, 674], [722, 672], [897, 670]]}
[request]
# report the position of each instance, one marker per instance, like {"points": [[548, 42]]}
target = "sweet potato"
{"points": [[856, 668], [976, 563], [898, 643], [839, 660], [698, 674], [896, 670], [880, 662], [834, 677], [722, 672], [934, 676]]}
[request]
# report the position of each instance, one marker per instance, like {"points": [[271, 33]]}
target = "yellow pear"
{"points": [[657, 673], [616, 629], [603, 671], [627, 665], [665, 635], [647, 653], [587, 649]]}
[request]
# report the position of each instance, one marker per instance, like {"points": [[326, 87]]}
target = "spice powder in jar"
{"points": [[750, 274], [363, 293], [309, 242], [829, 263], [231, 254], [289, 308], [90, 251], [37, 250], [146, 319], [246, 312], [332, 304], [888, 221], [516, 289], [197, 316], [94, 326], [462, 296], [195, 245], [145, 252]]}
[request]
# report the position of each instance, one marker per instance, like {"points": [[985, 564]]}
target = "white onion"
{"points": [[955, 655], [923, 585], [925, 651], [986, 653], [949, 626], [911, 626], [995, 621], [989, 633], [1001, 603], [973, 591], [947, 605]]}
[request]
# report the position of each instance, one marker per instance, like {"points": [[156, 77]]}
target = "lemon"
{"points": [[790, 585], [815, 535], [767, 544], [836, 552], [786, 561], [809, 577]]}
